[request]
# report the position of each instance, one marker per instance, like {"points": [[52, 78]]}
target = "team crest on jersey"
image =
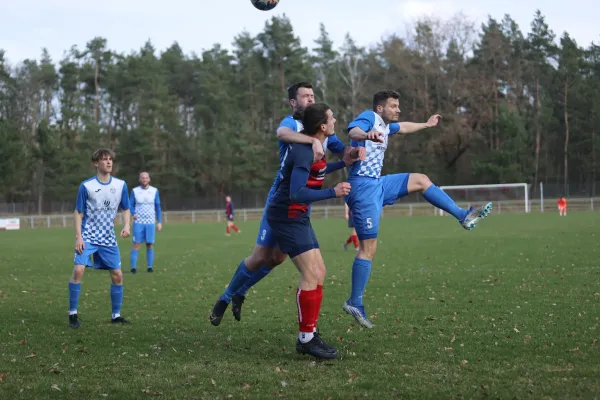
{"points": [[113, 190]]}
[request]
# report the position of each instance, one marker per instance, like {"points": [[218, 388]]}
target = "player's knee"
{"points": [[367, 249], [117, 276], [77, 276], [311, 274], [419, 182], [260, 256], [276, 259], [136, 246], [149, 245]]}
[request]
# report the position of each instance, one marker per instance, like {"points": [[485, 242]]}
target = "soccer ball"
{"points": [[264, 5]]}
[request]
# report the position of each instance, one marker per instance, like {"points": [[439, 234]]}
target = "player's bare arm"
{"points": [[354, 154], [359, 135], [79, 245], [288, 135], [127, 221], [412, 127]]}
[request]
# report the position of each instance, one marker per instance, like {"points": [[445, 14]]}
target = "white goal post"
{"points": [[501, 193]]}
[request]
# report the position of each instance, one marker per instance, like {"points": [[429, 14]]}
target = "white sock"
{"points": [[305, 337], [73, 312], [116, 316]]}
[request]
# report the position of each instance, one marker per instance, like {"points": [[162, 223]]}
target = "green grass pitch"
{"points": [[509, 310]]}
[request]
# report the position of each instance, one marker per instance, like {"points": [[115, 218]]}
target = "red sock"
{"points": [[235, 228], [350, 239], [355, 241], [307, 301], [319, 301], [228, 230]]}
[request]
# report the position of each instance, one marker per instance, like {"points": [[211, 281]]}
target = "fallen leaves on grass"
{"points": [[55, 388], [32, 355], [151, 392], [279, 370], [3, 377], [245, 385]]}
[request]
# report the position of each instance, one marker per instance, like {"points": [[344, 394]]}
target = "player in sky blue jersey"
{"points": [[147, 219], [266, 255], [98, 201], [288, 215], [371, 191]]}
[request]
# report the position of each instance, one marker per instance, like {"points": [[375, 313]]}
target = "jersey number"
{"points": [[263, 234], [369, 223]]}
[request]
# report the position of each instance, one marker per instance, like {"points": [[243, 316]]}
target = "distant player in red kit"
{"points": [[353, 238], [562, 206], [230, 213]]}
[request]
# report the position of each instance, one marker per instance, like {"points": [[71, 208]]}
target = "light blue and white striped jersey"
{"points": [[372, 165], [145, 203], [99, 203]]}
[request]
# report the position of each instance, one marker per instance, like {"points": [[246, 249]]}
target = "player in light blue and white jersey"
{"points": [[147, 219], [266, 255], [371, 191], [98, 201]]}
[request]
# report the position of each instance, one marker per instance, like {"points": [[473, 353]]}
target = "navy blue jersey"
{"points": [[300, 184]]}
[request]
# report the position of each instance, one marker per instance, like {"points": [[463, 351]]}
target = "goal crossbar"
{"points": [[492, 186]]}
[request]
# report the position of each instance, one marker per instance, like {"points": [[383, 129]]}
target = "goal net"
{"points": [[507, 197]]}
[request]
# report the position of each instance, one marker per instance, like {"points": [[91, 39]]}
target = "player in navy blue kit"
{"points": [[266, 255], [98, 200], [288, 215], [371, 191], [230, 216]]}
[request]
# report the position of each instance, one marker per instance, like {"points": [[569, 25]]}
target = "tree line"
{"points": [[516, 108]]}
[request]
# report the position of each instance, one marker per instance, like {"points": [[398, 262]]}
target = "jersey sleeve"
{"points": [[303, 159], [82, 196], [232, 208], [124, 205], [394, 128], [335, 145], [289, 122], [365, 121], [132, 201], [334, 166], [157, 207]]}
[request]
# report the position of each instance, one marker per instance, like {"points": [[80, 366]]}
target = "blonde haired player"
{"points": [[562, 206]]}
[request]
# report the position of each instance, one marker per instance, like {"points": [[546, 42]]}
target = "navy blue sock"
{"points": [[116, 297], [361, 269], [441, 200], [256, 277], [242, 274], [74, 290]]}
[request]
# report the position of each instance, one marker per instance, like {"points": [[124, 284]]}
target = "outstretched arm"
{"points": [[411, 127]]}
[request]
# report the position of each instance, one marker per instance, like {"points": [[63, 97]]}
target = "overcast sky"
{"points": [[28, 25]]}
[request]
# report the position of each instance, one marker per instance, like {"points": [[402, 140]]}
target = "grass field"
{"points": [[509, 310]]}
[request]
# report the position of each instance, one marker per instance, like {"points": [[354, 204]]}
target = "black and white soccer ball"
{"points": [[264, 5]]}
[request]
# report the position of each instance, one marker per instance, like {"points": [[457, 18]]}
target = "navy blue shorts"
{"points": [[293, 237], [230, 218]]}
